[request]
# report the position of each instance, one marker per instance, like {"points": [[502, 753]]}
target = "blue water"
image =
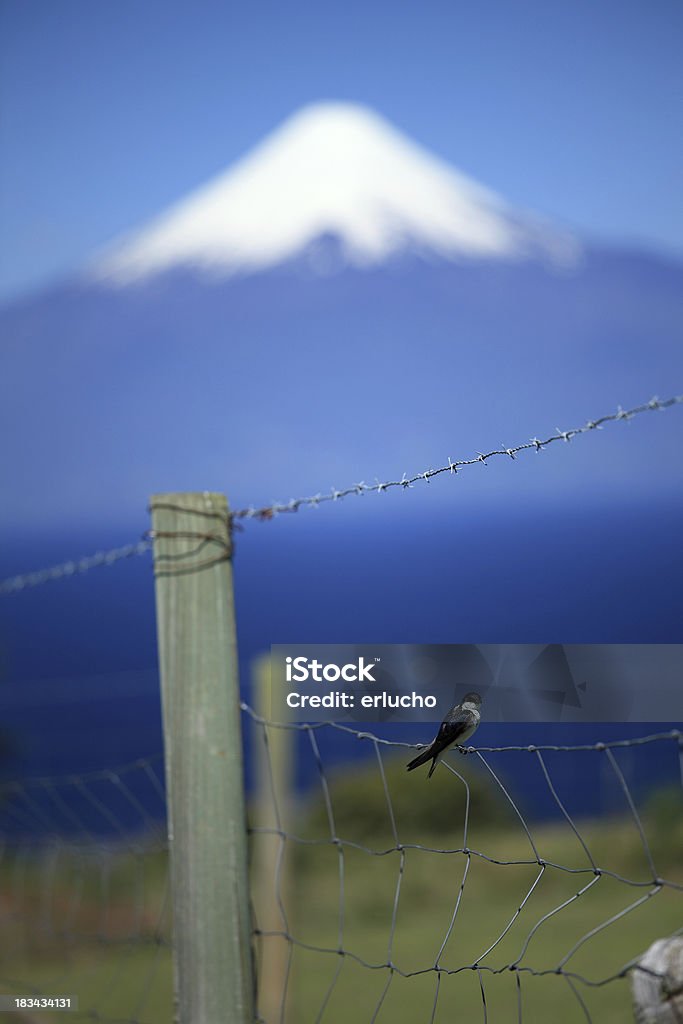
{"points": [[78, 687]]}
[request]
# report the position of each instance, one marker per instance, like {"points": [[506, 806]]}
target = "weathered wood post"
{"points": [[203, 756], [273, 767]]}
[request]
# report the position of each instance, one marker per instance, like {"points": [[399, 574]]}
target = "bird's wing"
{"points": [[451, 730], [447, 734]]}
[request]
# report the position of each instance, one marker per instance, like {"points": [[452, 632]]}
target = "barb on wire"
{"points": [[267, 512], [453, 465], [75, 567]]}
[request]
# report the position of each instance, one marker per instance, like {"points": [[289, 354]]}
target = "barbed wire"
{"points": [[79, 566], [75, 567], [453, 466]]}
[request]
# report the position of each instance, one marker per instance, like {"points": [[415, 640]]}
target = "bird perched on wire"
{"points": [[457, 726]]}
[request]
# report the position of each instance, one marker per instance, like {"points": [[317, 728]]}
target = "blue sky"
{"points": [[109, 112]]}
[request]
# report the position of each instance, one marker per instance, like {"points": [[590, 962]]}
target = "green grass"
{"points": [[111, 909]]}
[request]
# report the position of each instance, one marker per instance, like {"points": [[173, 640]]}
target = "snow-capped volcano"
{"points": [[332, 169]]}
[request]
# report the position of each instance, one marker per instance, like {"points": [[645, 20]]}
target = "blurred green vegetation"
{"points": [[365, 808], [91, 921], [96, 923]]}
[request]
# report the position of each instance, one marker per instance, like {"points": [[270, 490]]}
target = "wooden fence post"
{"points": [[273, 771], [203, 755]]}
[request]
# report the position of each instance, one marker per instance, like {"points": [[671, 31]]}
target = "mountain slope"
{"points": [[273, 379]]}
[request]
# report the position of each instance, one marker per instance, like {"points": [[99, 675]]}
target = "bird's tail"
{"points": [[422, 758]]}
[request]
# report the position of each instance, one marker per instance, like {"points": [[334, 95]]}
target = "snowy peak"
{"points": [[331, 169]]}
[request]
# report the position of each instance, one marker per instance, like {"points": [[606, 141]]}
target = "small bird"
{"points": [[457, 726]]}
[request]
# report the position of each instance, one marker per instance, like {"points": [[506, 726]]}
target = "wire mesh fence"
{"points": [[85, 901], [377, 895], [391, 900]]}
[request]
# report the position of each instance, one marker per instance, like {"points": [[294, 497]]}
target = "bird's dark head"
{"points": [[472, 698]]}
